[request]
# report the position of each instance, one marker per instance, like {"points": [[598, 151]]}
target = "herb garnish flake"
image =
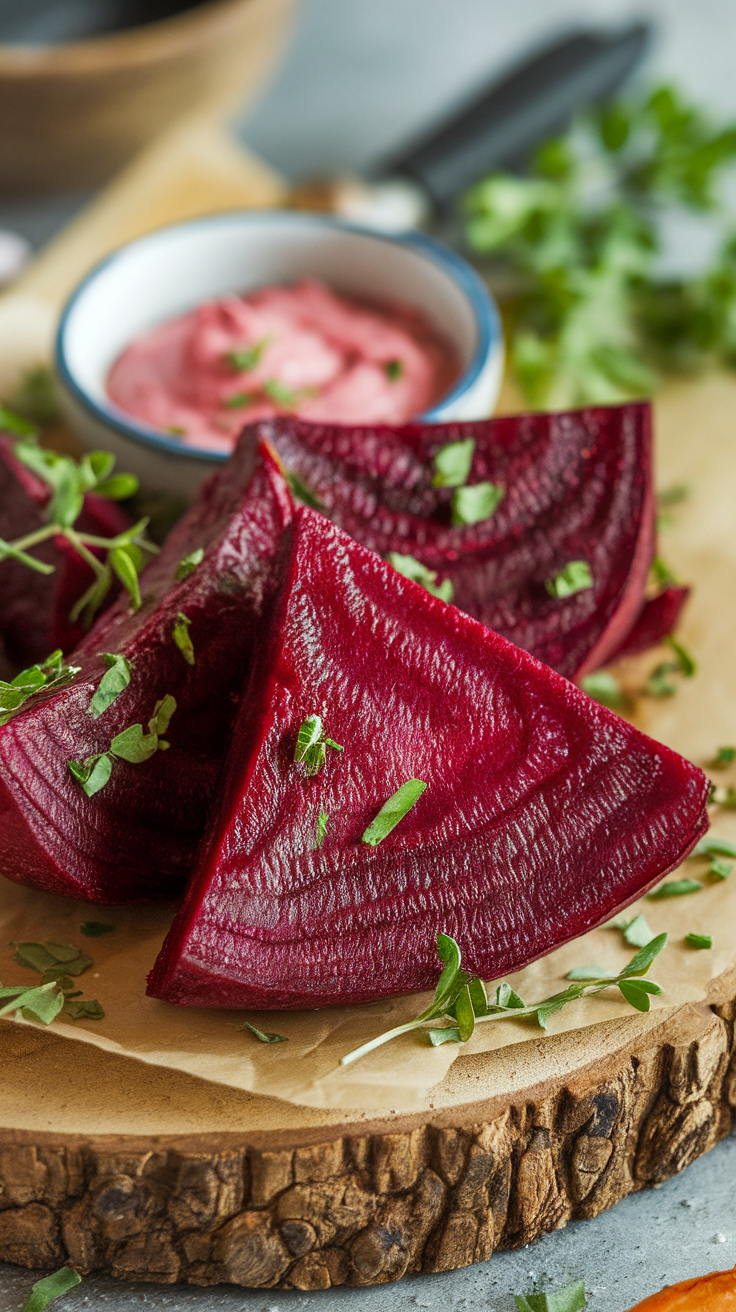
{"points": [[453, 462], [413, 569], [113, 682], [181, 636], [393, 811], [575, 577], [189, 563], [311, 746]]}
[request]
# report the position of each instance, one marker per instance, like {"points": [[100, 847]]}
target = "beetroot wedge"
{"points": [[135, 838], [543, 812], [35, 607], [577, 486], [657, 619]]}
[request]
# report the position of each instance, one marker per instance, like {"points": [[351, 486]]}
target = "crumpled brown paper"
{"points": [[701, 547]]}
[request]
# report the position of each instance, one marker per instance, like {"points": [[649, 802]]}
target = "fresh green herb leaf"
{"points": [[724, 757], [588, 973], [125, 564], [45, 1291], [637, 932], [263, 1036], [95, 928], [575, 577], [453, 462], [661, 573], [322, 822], [84, 1009], [50, 956], [279, 393], [711, 845], [393, 811], [685, 663], [46, 677], [570, 1299], [671, 496], [659, 684], [93, 773], [188, 564], [133, 745], [311, 745], [238, 400], [456, 986], [302, 492], [246, 359], [118, 488], [701, 941], [40, 1002], [180, 634], [394, 370], [419, 573], [675, 888], [605, 688], [162, 713], [473, 504], [720, 869], [112, 683]]}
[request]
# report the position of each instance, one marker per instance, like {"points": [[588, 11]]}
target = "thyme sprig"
{"points": [[461, 999], [70, 480]]}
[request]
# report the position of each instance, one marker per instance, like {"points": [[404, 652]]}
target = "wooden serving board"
{"points": [[152, 1174]]}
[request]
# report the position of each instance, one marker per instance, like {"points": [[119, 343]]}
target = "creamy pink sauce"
{"points": [[300, 350]]}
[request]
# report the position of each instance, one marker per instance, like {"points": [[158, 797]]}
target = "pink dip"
{"points": [[283, 350]]}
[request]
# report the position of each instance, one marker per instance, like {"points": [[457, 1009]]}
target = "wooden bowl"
{"points": [[72, 114]]}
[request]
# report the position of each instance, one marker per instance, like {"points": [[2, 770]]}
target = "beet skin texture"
{"points": [[544, 813]]}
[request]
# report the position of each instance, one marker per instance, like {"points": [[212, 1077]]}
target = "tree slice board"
{"points": [[149, 1173]]}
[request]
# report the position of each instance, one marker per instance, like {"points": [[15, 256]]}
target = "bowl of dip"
{"points": [[177, 340]]}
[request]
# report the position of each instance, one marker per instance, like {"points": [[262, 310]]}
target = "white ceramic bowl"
{"points": [[174, 269]]}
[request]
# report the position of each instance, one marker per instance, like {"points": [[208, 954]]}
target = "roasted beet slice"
{"points": [[577, 487], [657, 619], [135, 839], [543, 812], [35, 607]]}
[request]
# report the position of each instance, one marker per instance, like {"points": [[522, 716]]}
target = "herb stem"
{"points": [[76, 541], [32, 539]]}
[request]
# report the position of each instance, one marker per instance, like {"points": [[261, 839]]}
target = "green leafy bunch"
{"points": [[69, 481], [593, 322], [460, 999]]}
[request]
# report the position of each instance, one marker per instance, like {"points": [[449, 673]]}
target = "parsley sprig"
{"points": [[461, 1000], [69, 481]]}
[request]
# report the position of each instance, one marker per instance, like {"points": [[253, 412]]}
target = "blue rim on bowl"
{"points": [[485, 313]]}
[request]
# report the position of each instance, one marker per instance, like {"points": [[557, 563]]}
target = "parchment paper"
{"points": [[697, 448]]}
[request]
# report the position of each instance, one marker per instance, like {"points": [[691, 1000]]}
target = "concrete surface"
{"points": [[363, 76]]}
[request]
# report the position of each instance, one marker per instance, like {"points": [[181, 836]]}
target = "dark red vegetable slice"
{"points": [[577, 487], [543, 813], [135, 840], [658, 617], [34, 620]]}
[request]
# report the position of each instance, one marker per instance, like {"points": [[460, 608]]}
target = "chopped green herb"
{"points": [[672, 496], [393, 811], [302, 492], [322, 822], [93, 773], [84, 1009], [724, 757], [112, 683], [95, 928], [659, 684], [126, 563], [637, 932], [45, 1291], [419, 573], [570, 1299], [720, 869], [311, 745], [675, 888], [461, 999], [662, 574], [180, 634], [133, 745], [473, 504], [605, 688], [702, 941], [394, 370], [40, 1002], [238, 400], [46, 677], [711, 845], [685, 663], [575, 577], [50, 956], [246, 359], [188, 564], [263, 1036], [279, 393], [453, 462]]}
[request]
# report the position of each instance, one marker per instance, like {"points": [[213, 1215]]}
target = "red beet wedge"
{"points": [[543, 812], [35, 607], [577, 487], [135, 839]]}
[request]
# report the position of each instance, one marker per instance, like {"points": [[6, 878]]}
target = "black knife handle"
{"points": [[537, 100]]}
